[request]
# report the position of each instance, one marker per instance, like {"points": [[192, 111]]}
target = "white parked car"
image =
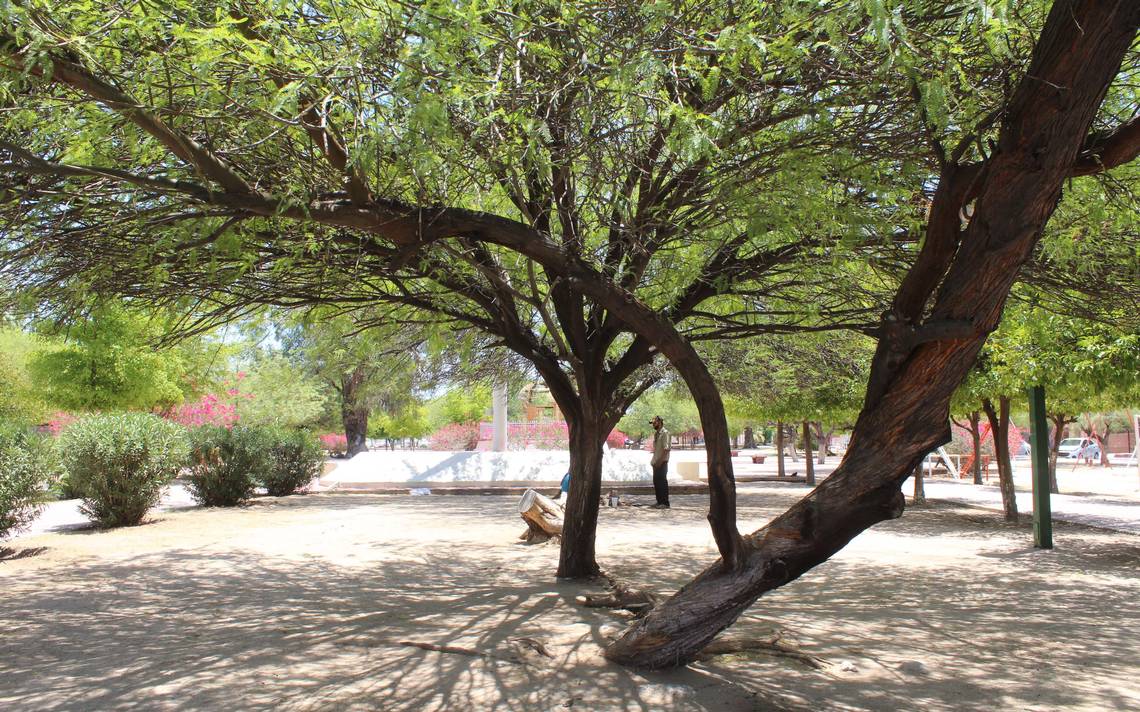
{"points": [[1076, 448]]}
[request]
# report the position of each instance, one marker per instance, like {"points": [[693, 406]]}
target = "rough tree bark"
{"points": [[999, 431], [920, 361], [353, 412], [577, 557]]}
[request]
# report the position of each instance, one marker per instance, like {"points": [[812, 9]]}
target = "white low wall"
{"points": [[435, 466]]}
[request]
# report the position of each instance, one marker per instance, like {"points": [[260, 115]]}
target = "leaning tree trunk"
{"points": [[999, 430], [919, 361], [809, 472]]}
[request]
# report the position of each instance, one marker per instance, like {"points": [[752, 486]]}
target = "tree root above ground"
{"points": [[773, 645]]}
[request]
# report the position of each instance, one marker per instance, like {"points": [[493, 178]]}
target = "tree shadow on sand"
{"points": [[397, 624]]}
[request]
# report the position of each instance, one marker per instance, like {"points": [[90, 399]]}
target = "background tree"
{"points": [[21, 400], [277, 392], [467, 404], [408, 423], [813, 378], [367, 369], [670, 401], [108, 361], [1082, 364]]}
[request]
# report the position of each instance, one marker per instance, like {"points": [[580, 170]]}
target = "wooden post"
{"points": [[1039, 447]]}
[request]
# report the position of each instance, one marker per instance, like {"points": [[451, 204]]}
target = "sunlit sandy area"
{"points": [[336, 601]]}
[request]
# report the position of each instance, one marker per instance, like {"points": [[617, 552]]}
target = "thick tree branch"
{"points": [[78, 78]]}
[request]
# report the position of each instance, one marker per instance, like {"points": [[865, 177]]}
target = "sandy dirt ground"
{"points": [[310, 603]]}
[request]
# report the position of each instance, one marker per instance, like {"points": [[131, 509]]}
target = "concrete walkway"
{"points": [[1116, 504], [64, 515], [1119, 512]]}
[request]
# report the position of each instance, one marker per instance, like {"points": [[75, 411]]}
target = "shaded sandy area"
{"points": [[305, 603]]}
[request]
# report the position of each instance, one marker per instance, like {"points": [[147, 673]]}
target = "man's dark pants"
{"points": [[661, 483]]}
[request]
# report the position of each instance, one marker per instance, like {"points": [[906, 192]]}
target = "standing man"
{"points": [[660, 463]]}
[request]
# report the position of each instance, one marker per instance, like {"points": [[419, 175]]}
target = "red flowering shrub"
{"points": [[554, 435], [335, 443], [211, 408], [58, 422], [455, 437], [616, 439], [207, 410]]}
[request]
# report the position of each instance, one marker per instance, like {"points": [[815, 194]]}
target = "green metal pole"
{"points": [[1039, 445]]}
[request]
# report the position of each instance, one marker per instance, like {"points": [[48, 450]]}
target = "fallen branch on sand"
{"points": [[529, 644], [633, 600], [459, 650]]}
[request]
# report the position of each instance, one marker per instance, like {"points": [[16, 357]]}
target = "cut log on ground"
{"points": [[543, 517]]}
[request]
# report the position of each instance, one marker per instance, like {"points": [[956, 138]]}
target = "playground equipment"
{"points": [[1014, 440]]}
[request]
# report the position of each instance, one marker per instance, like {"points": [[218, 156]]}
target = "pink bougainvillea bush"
{"points": [[335, 443], [554, 435], [454, 437], [546, 435], [212, 408], [58, 422]]}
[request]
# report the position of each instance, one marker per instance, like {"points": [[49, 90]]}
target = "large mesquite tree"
{"points": [[588, 185], [546, 174]]}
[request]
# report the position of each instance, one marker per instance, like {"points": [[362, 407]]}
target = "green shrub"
{"points": [[295, 460], [226, 464], [119, 463], [24, 476]]}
